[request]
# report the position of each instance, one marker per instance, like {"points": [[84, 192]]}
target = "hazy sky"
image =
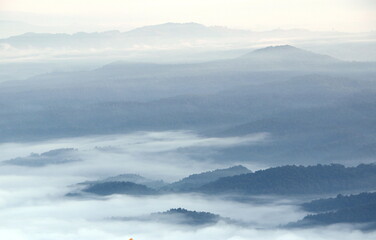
{"points": [[339, 15]]}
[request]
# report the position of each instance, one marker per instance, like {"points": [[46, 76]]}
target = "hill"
{"points": [[195, 181], [291, 180], [186, 217], [350, 209], [340, 202], [222, 98], [286, 56]]}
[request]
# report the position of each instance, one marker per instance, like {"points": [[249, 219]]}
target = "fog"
{"points": [[187, 120], [34, 206], [171, 154]]}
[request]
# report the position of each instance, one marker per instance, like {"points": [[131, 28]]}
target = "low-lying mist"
{"points": [[34, 206], [167, 155]]}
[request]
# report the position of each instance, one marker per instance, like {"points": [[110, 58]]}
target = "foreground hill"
{"points": [[290, 180], [352, 209], [356, 214], [339, 202]]}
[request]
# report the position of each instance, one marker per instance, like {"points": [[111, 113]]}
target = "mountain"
{"points": [[352, 209], [285, 57], [365, 214], [286, 52], [134, 184], [195, 181], [109, 188], [186, 217], [284, 180], [179, 216], [155, 35], [290, 180], [312, 115], [340, 202]]}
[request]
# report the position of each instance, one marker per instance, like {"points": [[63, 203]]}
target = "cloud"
{"points": [[171, 154], [33, 205], [56, 156]]}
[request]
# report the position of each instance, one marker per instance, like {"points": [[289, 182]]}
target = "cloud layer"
{"points": [[33, 206]]}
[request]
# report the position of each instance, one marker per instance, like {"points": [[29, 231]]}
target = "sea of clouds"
{"points": [[33, 204]]}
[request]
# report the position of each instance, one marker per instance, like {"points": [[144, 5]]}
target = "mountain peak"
{"points": [[278, 48], [286, 53]]}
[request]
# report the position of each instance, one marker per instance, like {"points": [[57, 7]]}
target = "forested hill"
{"points": [[195, 181], [294, 179], [351, 209], [341, 201]]}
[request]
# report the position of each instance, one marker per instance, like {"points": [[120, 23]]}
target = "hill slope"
{"points": [[197, 180], [289, 180]]}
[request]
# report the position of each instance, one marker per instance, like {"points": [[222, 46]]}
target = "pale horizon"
{"points": [[91, 16]]}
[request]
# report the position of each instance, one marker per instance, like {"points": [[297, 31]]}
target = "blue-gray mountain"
{"points": [[292, 180], [339, 202], [184, 216], [352, 209], [195, 181], [168, 33], [133, 184], [160, 35], [316, 108], [179, 216], [284, 180]]}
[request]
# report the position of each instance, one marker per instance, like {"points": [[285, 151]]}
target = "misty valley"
{"points": [[181, 131]]}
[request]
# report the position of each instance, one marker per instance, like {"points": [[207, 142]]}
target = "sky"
{"points": [[337, 15]]}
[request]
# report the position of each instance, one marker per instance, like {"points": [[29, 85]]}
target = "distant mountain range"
{"points": [[150, 35], [163, 35], [285, 180], [289, 180], [137, 185], [315, 108]]}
